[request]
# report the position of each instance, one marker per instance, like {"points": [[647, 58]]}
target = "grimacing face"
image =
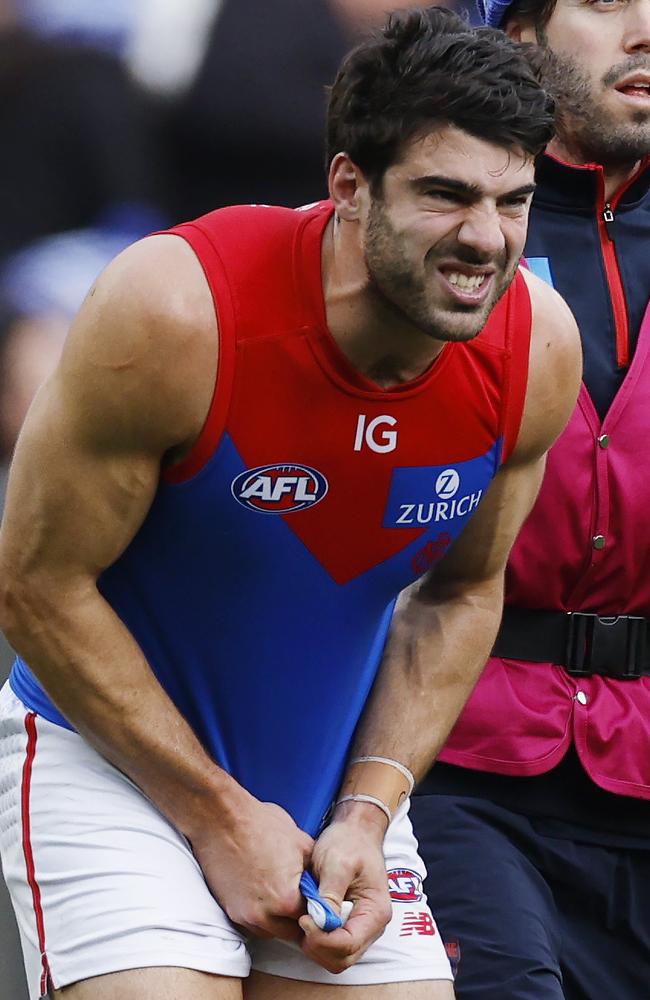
{"points": [[600, 76], [443, 241]]}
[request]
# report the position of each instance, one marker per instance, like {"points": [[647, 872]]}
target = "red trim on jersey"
{"points": [[204, 447], [518, 330], [30, 727], [263, 266]]}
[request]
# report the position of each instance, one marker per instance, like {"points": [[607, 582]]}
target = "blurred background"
{"points": [[120, 117]]}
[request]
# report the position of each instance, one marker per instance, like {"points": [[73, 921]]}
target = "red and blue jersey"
{"points": [[262, 581]]}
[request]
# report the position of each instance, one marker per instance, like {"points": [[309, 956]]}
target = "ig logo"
{"points": [[375, 439], [447, 484]]}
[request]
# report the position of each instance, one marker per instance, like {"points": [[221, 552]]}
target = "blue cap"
{"points": [[493, 11]]}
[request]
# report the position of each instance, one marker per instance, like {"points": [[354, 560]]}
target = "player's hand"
{"points": [[348, 863], [253, 866]]}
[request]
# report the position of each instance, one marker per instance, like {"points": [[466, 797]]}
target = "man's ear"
{"points": [[520, 32], [347, 185]]}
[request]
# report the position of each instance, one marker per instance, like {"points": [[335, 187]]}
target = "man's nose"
{"points": [[481, 230], [637, 27]]}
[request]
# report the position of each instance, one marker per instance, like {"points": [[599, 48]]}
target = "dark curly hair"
{"points": [[429, 68], [534, 12]]}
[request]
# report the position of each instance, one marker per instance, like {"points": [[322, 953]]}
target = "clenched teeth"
{"points": [[633, 85], [465, 281]]}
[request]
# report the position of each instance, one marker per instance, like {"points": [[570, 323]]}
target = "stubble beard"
{"points": [[395, 284], [584, 127]]}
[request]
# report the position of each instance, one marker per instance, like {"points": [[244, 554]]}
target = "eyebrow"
{"points": [[472, 191]]}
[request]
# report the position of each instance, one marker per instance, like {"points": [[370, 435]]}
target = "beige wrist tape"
{"points": [[378, 778], [360, 797]]}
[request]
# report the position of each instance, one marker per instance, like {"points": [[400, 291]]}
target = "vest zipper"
{"points": [[608, 219], [606, 230], [619, 307]]}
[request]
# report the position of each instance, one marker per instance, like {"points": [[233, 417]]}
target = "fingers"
{"points": [[334, 952], [276, 927], [340, 949], [334, 884], [307, 845], [272, 914]]}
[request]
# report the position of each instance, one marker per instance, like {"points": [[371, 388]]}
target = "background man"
{"points": [[536, 830], [201, 580]]}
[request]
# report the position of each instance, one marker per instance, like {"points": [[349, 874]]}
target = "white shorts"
{"points": [[102, 882]]}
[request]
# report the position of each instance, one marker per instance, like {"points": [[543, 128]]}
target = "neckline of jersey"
{"points": [[308, 278]]}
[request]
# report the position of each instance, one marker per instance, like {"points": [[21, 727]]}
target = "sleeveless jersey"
{"points": [[262, 581]]}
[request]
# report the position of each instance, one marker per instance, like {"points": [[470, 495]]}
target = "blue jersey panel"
{"points": [[268, 658], [25, 686], [439, 495]]}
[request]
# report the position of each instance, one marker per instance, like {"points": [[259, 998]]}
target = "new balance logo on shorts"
{"points": [[417, 923]]}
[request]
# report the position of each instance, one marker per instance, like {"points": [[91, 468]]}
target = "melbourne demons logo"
{"points": [[279, 489], [404, 885]]}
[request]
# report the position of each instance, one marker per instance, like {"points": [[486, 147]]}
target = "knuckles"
{"points": [[333, 958], [288, 906], [336, 963], [255, 916], [260, 914], [386, 914]]}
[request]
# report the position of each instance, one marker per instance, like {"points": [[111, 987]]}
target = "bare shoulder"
{"points": [[552, 317], [555, 369], [143, 349]]}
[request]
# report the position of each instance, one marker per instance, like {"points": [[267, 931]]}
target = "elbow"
{"points": [[36, 604]]}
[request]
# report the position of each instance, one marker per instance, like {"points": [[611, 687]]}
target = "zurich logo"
{"points": [[447, 484], [279, 489]]}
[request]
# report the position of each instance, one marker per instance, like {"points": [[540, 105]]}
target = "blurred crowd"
{"points": [[124, 116], [121, 117]]}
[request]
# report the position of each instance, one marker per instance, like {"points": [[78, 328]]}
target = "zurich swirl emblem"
{"points": [[279, 489], [447, 484]]}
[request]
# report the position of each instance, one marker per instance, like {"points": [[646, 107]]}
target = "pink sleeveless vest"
{"points": [[522, 717]]}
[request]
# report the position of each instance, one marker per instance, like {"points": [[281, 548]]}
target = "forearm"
{"points": [[98, 677], [435, 652], [436, 649]]}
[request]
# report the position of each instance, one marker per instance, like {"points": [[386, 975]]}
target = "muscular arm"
{"points": [[445, 625], [84, 475], [132, 390]]}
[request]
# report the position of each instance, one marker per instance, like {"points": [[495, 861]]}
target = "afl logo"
{"points": [[447, 484], [404, 885], [279, 489]]}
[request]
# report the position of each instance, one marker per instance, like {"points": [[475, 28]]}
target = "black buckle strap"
{"points": [[584, 644], [612, 646]]}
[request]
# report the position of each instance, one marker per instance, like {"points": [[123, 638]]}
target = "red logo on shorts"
{"points": [[404, 885], [453, 954], [417, 923]]}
